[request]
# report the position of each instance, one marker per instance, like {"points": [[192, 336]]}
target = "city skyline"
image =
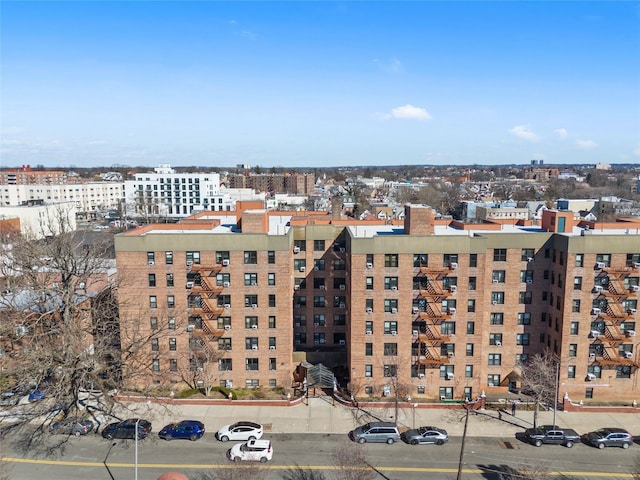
{"points": [[298, 84]]}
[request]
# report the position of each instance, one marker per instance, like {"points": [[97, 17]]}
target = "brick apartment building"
{"points": [[435, 308], [291, 183]]}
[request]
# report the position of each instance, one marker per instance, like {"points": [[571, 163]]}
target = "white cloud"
{"points": [[523, 131], [392, 66], [586, 144], [561, 132], [406, 112]]}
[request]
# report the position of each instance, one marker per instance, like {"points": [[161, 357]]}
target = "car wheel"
{"points": [[263, 460], [389, 441], [569, 444], [440, 442], [109, 436], [193, 437], [538, 443], [236, 459], [77, 433], [168, 438], [414, 442], [362, 440], [625, 445], [601, 446], [224, 438], [252, 437]]}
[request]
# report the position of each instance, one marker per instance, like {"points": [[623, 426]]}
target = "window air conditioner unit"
{"points": [[303, 269], [597, 288], [342, 342], [189, 263], [342, 305], [454, 265], [495, 280], [343, 286], [151, 262], [595, 311], [254, 327], [190, 328], [415, 333], [272, 347], [450, 354], [296, 249], [627, 354], [498, 343], [491, 384], [225, 262], [592, 356], [635, 288], [342, 249], [297, 342], [452, 310], [316, 324], [190, 284], [229, 384], [449, 376], [529, 280], [227, 306], [494, 302], [394, 288], [317, 342], [369, 265], [226, 284], [369, 332], [369, 310], [254, 305], [600, 265], [227, 327], [594, 334], [394, 332], [421, 375], [322, 287], [453, 288], [254, 347], [297, 324], [254, 284], [590, 377], [415, 310], [296, 287], [631, 311], [394, 310], [630, 333], [529, 259], [636, 264]]}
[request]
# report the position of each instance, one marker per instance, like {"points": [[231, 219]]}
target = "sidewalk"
{"points": [[320, 416]]}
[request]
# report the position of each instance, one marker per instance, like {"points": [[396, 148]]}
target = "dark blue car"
{"points": [[186, 429], [36, 396]]}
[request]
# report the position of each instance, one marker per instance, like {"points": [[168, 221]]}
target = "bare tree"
{"points": [[242, 471], [302, 473], [539, 380], [351, 462]]}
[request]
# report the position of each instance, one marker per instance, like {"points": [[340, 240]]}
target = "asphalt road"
{"points": [[82, 459]]}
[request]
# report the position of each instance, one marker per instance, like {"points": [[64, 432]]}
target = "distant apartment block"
{"points": [[87, 197], [445, 309], [25, 175], [38, 220], [291, 183]]}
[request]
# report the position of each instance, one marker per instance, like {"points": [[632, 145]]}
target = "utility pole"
{"points": [[464, 438]]}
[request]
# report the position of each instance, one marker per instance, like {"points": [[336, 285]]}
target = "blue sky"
{"points": [[303, 84]]}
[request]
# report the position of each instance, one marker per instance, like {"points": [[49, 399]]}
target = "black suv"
{"points": [[551, 434], [127, 428]]}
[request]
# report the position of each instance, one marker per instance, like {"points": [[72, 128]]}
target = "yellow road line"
{"points": [[283, 467]]}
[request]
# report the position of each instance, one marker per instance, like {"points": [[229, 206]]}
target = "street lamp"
{"points": [[104, 462], [136, 434]]}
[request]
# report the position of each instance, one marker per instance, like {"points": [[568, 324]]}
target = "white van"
{"points": [[251, 451]]}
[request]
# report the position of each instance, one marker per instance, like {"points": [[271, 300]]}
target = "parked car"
{"points": [[425, 435], [186, 429], [251, 451], [609, 437], [72, 426], [551, 434], [240, 431], [126, 429], [376, 432]]}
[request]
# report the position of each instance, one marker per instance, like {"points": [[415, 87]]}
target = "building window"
{"points": [[603, 258], [151, 257], [172, 344], [390, 328], [251, 279], [252, 364], [472, 283], [252, 382], [272, 364], [225, 364], [368, 371], [588, 393], [526, 276], [272, 300], [368, 327], [172, 323], [471, 305], [521, 358], [391, 305], [577, 283], [522, 339], [173, 365], [369, 283], [623, 371], [251, 301], [448, 328], [495, 359], [390, 283], [155, 365], [153, 322], [498, 276], [574, 328], [420, 260], [390, 349], [471, 328], [595, 370], [318, 245], [272, 321], [497, 298], [571, 371], [153, 301], [171, 301], [495, 339], [368, 349], [524, 318], [446, 393], [319, 301], [169, 279], [579, 260], [473, 260], [168, 258], [524, 298], [493, 380], [468, 371], [224, 344], [155, 345], [391, 260], [319, 338], [251, 322], [499, 254], [319, 320], [496, 318], [250, 257], [575, 306], [152, 279], [573, 349], [390, 370], [300, 245], [193, 257], [446, 371], [469, 349], [318, 264], [271, 279], [271, 257], [527, 254]]}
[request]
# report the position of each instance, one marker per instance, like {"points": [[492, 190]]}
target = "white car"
{"points": [[240, 431], [251, 451]]}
